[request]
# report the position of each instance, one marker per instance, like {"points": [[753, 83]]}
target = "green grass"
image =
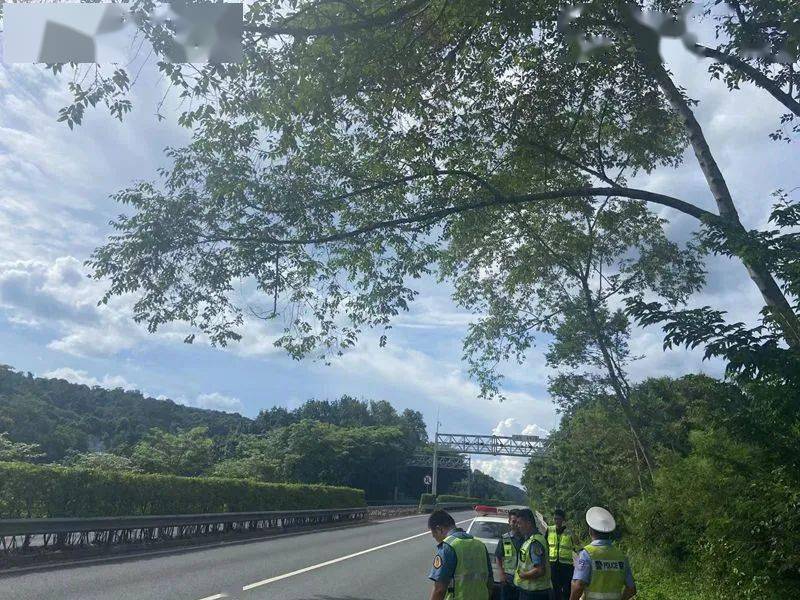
{"points": [[658, 578]]}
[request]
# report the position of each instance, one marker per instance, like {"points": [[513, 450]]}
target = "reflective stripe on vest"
{"points": [[608, 573], [510, 557], [560, 545], [469, 580], [526, 564]]}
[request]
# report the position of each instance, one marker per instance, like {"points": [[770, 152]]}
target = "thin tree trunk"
{"points": [[638, 468], [646, 42], [619, 390]]}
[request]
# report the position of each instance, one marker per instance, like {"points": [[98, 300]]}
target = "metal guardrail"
{"points": [[447, 506], [38, 536]]}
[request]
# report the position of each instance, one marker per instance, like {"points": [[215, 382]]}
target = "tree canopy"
{"points": [[352, 147]]}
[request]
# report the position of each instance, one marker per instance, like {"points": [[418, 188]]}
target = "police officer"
{"points": [[602, 571], [562, 543], [533, 570], [461, 569], [507, 555]]}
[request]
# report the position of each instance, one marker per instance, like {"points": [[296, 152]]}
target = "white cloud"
{"points": [[59, 296], [508, 469], [55, 291], [217, 401], [512, 426], [435, 382], [435, 311], [83, 378], [211, 401]]}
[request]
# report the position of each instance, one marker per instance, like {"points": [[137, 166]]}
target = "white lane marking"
{"points": [[215, 597], [335, 560]]}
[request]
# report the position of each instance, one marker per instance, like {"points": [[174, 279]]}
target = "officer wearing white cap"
{"points": [[602, 571]]}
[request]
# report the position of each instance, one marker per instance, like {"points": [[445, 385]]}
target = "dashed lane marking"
{"points": [[335, 560]]}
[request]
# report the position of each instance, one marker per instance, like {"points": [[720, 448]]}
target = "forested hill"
{"points": [[485, 486], [62, 416], [363, 444]]}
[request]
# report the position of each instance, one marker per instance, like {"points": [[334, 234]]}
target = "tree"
{"points": [[559, 272], [188, 453], [487, 488], [253, 458], [591, 460], [102, 461], [65, 418], [355, 136], [18, 451], [726, 482], [315, 452], [277, 416], [750, 352]]}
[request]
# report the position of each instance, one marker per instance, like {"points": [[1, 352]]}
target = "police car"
{"points": [[489, 526]]}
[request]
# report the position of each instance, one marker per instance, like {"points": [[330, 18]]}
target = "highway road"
{"points": [[386, 560]]}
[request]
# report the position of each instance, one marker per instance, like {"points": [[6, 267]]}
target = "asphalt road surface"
{"points": [[386, 560]]}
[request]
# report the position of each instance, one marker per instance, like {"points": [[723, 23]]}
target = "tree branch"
{"points": [[281, 28], [497, 200], [756, 76]]}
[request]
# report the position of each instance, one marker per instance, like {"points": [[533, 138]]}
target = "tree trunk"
{"points": [[616, 383], [646, 43]]}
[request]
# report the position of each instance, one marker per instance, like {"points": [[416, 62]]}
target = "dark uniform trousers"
{"points": [[508, 591], [561, 576], [541, 595]]}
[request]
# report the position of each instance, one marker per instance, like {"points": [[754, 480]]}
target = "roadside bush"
{"points": [[727, 513], [50, 491]]}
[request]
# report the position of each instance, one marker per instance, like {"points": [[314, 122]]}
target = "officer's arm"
{"points": [[577, 589], [539, 569], [502, 570], [499, 553], [535, 572], [439, 590], [490, 575], [630, 585], [628, 592]]}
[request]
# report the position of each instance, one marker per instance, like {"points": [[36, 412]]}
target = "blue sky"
{"points": [[54, 208]]}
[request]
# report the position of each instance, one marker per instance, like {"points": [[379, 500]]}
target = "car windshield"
{"points": [[488, 529]]}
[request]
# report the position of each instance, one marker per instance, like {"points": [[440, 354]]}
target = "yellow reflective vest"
{"points": [[608, 573], [471, 577], [510, 554], [561, 545], [526, 564]]}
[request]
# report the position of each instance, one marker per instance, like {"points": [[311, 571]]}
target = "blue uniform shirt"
{"points": [[583, 566], [537, 553], [444, 561]]}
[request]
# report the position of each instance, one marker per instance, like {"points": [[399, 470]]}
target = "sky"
{"points": [[55, 188]]}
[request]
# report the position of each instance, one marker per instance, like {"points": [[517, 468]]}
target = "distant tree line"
{"points": [[350, 442]]}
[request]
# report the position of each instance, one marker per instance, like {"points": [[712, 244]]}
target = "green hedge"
{"points": [[49, 491]]}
